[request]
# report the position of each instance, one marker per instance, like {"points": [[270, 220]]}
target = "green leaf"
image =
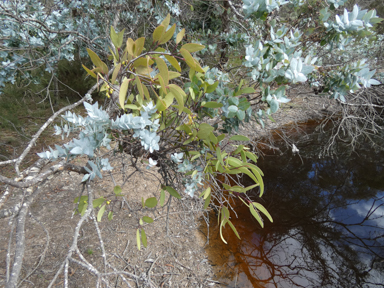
{"points": [[238, 149], [117, 38], [144, 238], [192, 47], [256, 215], [83, 208], [258, 173], [251, 156], [117, 190], [98, 202], [239, 138], [173, 192], [213, 104], [204, 131], [138, 239], [233, 229], [123, 92], [220, 137], [100, 213], [247, 90], [207, 201], [219, 156], [82, 199], [110, 215], [212, 87], [150, 202], [213, 138], [162, 198], [223, 222], [262, 209], [147, 219]]}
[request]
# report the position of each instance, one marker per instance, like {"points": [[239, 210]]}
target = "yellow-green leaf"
{"points": [[95, 58], [162, 84], [192, 47], [173, 62], [179, 94], [144, 238], [162, 198], [262, 209], [233, 229], [163, 70], [188, 59], [166, 20], [207, 192], [139, 87], [123, 92], [251, 156], [169, 99], [130, 46], [100, 213], [139, 45], [138, 239], [256, 215], [110, 215], [158, 33], [207, 201], [160, 105], [173, 75], [115, 73], [221, 230], [142, 62], [146, 92], [131, 106], [219, 157], [180, 36], [115, 56], [90, 72], [167, 35]]}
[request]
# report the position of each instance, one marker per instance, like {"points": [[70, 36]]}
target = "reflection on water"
{"points": [[328, 228]]}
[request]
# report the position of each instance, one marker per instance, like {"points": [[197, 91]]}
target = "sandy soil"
{"points": [[175, 257]]}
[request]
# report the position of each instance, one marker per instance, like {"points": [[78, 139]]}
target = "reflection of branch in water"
{"points": [[320, 237]]}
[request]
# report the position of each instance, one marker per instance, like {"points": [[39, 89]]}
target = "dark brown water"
{"points": [[328, 228]]}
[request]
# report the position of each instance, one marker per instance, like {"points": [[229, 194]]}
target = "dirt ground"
{"points": [[173, 258]]}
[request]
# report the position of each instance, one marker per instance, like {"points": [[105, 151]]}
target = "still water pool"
{"points": [[328, 228]]}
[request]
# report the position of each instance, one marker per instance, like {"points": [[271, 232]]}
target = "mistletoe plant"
{"points": [[176, 127]]}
